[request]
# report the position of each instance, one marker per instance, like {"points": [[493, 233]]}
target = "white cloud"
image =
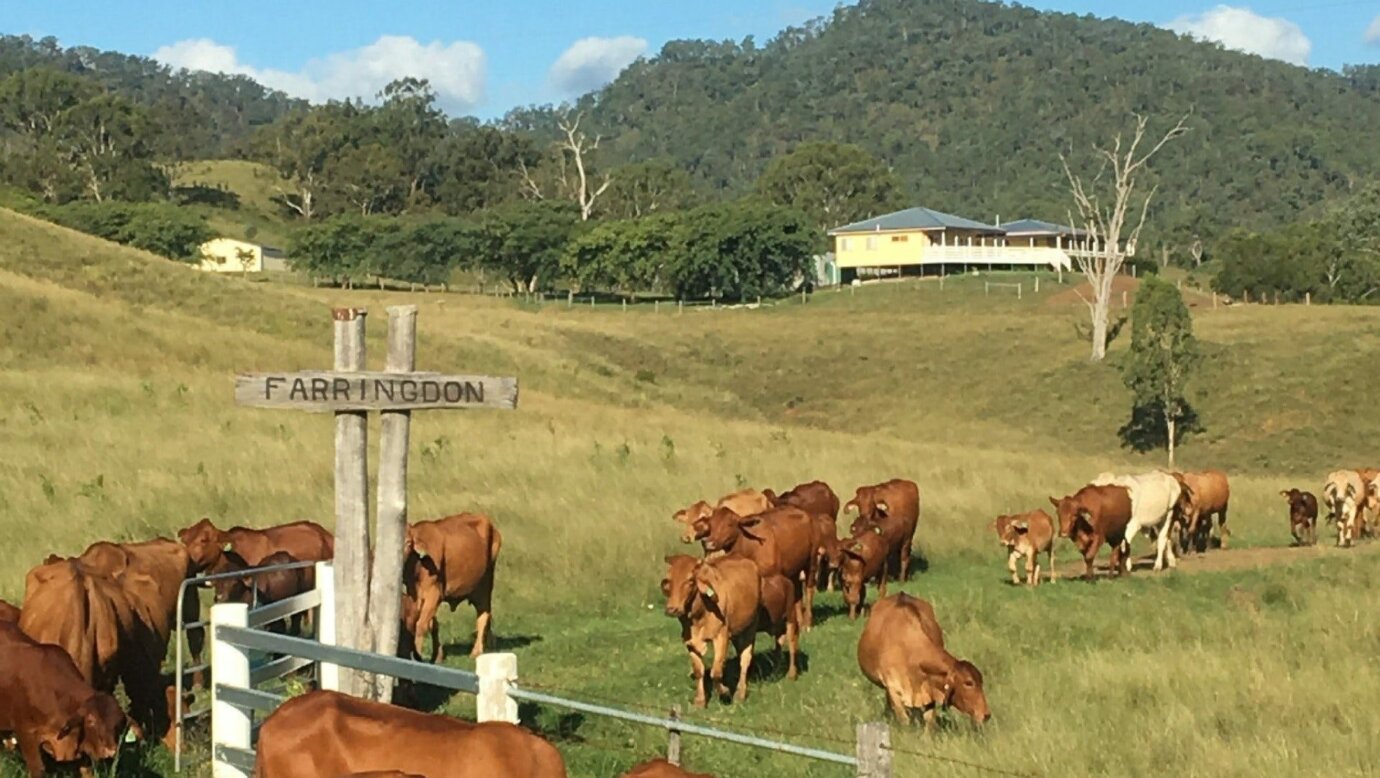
{"points": [[590, 63], [1373, 32], [457, 71], [1244, 30]]}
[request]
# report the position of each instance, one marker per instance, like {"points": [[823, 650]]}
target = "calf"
{"points": [[1303, 516], [726, 600], [325, 733], [1027, 535], [263, 588], [1345, 494], [450, 560], [862, 558], [8, 613], [660, 768], [1155, 499], [1206, 494], [304, 540], [1092, 516], [744, 503], [782, 541], [50, 707], [902, 651], [895, 507]]}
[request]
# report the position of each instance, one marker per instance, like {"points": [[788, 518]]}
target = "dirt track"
{"points": [[1070, 565]]}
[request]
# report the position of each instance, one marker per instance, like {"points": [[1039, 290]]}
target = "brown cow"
{"points": [[817, 499], [744, 502], [304, 540], [902, 651], [782, 541], [8, 613], [862, 558], [325, 734], [895, 507], [168, 564], [1370, 476], [50, 707], [725, 600], [382, 774], [1027, 535], [1206, 494], [660, 768], [1094, 515], [1303, 516], [263, 588], [449, 560]]}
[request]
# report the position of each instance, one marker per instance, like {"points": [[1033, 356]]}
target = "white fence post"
{"points": [[497, 672], [230, 726], [326, 673]]}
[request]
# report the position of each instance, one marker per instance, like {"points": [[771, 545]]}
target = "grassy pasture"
{"points": [[118, 424]]}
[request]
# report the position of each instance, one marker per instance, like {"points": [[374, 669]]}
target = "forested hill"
{"points": [[201, 115], [971, 102]]}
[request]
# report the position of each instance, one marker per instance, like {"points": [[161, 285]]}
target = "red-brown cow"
{"points": [[895, 507], [1027, 535], [325, 734], [862, 558], [782, 541], [817, 499], [167, 563], [902, 651], [304, 540], [722, 601], [1206, 494], [263, 588], [8, 613], [450, 560], [744, 502], [1095, 515], [50, 707], [660, 768], [1303, 516]]}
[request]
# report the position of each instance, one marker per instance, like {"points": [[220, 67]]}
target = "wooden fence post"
{"points": [[759, 301], [570, 298], [680, 307], [1214, 301], [673, 739], [1037, 284], [874, 750], [656, 306], [1307, 298], [351, 499], [1123, 298], [385, 590], [328, 674], [497, 673], [986, 288], [1246, 296], [625, 305], [1019, 291], [230, 725]]}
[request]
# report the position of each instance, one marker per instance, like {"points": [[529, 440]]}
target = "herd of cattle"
{"points": [[103, 618]]}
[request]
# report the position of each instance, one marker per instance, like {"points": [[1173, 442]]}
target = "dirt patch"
{"points": [[1217, 560], [1120, 284]]}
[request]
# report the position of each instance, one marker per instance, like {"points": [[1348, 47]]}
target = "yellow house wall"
{"points": [[222, 256], [889, 248]]}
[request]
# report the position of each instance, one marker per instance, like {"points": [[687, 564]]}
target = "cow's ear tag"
{"points": [[227, 547], [877, 530], [420, 553], [709, 590], [129, 736]]}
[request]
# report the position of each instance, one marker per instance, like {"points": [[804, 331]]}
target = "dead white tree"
{"points": [[576, 184], [1104, 218]]}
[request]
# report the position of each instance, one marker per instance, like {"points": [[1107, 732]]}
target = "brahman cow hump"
{"points": [[325, 734]]}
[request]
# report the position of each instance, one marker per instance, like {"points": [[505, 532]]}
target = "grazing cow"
{"points": [[304, 540], [328, 734], [264, 588], [448, 560], [827, 550], [1155, 498], [1303, 516], [862, 559], [168, 564], [1206, 494], [895, 507], [744, 502], [726, 600], [115, 630], [1027, 535], [902, 651], [1345, 494], [8, 613], [1092, 516], [782, 541], [50, 707], [660, 768]]}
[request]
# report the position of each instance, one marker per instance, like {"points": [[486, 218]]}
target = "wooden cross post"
{"points": [[369, 601]]}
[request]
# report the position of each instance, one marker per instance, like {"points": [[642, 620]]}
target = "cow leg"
{"points": [[744, 662], [1222, 530], [696, 649], [881, 583], [716, 670], [1090, 557], [1164, 552], [482, 599], [1053, 573], [1011, 558], [905, 559], [29, 749], [808, 622], [1032, 568], [792, 646]]}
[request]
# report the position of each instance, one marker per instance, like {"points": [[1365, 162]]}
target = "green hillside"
{"points": [[118, 421], [971, 103], [251, 212]]}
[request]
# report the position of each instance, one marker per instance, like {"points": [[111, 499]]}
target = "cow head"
{"points": [[963, 690], [1187, 507], [721, 529], [854, 555], [94, 730], [205, 544], [1013, 529], [863, 502], [688, 517], [1069, 510], [877, 513], [238, 588], [679, 585]]}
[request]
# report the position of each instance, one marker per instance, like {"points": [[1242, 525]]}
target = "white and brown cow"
{"points": [[1154, 498], [1345, 493]]}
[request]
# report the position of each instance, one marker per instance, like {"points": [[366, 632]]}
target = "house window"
{"points": [[845, 244], [899, 238], [871, 244]]}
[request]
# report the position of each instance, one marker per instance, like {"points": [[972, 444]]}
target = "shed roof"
{"points": [[917, 219]]}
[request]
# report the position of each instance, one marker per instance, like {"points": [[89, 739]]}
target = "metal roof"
{"points": [[917, 219], [1038, 227]]}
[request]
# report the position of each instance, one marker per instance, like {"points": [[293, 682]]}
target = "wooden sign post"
{"points": [[369, 601]]}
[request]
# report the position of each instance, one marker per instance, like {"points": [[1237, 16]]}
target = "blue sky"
{"points": [[486, 57]]}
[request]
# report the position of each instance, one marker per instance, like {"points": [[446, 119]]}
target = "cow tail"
{"points": [[495, 543]]}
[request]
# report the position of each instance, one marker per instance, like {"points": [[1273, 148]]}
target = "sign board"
{"points": [[327, 391]]}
